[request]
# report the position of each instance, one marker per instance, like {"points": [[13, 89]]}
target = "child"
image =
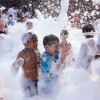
{"points": [[10, 20], [63, 36], [51, 58], [29, 59], [29, 25], [87, 50]]}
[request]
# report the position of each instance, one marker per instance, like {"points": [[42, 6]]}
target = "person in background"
{"points": [[3, 25], [29, 25], [10, 20], [64, 36], [19, 14], [29, 59], [13, 11], [87, 50], [25, 14]]}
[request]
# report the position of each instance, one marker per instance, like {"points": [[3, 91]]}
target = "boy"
{"points": [[29, 59], [51, 62], [87, 50]]}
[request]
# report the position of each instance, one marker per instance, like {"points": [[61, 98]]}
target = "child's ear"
{"points": [[46, 47]]}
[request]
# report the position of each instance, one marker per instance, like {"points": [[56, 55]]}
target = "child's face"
{"points": [[32, 44], [53, 49], [30, 26]]}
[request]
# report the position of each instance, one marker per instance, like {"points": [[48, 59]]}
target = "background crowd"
{"points": [[79, 13]]}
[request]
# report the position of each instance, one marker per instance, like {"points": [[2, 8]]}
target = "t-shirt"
{"points": [[46, 63], [10, 23], [48, 78]]}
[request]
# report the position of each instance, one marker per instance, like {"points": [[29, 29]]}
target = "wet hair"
{"points": [[64, 32], [50, 39], [88, 29], [28, 36]]}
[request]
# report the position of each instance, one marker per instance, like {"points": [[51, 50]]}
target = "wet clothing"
{"points": [[29, 87], [84, 58], [48, 77], [30, 70]]}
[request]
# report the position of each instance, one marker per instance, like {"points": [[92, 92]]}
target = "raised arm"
{"points": [[65, 50]]}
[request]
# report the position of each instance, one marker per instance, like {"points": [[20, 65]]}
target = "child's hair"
{"points": [[28, 23], [28, 36], [64, 32], [88, 30], [50, 39], [10, 15]]}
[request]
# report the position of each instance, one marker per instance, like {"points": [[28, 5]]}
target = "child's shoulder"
{"points": [[46, 57], [21, 52], [45, 54]]}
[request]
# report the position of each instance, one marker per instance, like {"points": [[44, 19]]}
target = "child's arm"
{"points": [[15, 66], [64, 53]]}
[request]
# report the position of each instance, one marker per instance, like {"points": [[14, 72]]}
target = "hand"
{"points": [[65, 51], [19, 62], [66, 48]]}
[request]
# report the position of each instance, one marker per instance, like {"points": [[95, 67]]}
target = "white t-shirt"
{"points": [[86, 53]]}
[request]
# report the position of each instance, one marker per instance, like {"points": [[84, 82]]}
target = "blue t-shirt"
{"points": [[46, 63], [10, 23]]}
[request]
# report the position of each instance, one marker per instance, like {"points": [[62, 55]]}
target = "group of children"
{"points": [[46, 67]]}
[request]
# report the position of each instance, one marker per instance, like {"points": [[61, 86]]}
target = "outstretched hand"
{"points": [[65, 51], [19, 62]]}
